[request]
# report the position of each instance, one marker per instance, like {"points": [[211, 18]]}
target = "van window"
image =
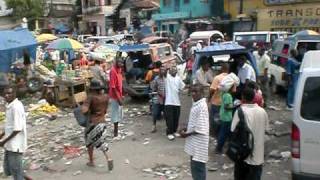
{"points": [[251, 37], [164, 51], [311, 99], [273, 37]]}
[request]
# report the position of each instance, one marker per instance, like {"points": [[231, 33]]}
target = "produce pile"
{"points": [[2, 116], [43, 109]]}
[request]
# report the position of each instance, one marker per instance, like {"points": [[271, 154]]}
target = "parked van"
{"points": [[206, 36], [265, 38], [280, 54], [305, 135]]}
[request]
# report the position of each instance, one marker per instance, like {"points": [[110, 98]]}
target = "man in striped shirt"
{"points": [[197, 134]]}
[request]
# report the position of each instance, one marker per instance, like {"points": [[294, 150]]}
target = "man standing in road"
{"points": [[174, 85], [197, 134], [263, 61], [204, 74], [15, 136], [257, 121], [158, 87], [292, 70], [116, 95], [246, 74]]}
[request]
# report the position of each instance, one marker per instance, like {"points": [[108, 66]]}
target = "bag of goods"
{"points": [[228, 81]]}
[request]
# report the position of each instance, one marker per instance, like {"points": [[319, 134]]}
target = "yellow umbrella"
{"points": [[46, 37]]}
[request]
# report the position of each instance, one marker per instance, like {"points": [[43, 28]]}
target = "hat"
{"points": [[95, 85], [200, 41]]}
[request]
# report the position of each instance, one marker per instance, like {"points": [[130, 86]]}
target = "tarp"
{"points": [[12, 45], [224, 48]]}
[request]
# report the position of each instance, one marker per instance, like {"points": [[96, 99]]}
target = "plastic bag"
{"points": [[228, 81]]}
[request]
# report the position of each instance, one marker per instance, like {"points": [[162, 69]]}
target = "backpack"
{"points": [[241, 142]]}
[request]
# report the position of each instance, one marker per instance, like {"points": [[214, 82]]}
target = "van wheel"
{"points": [[273, 86]]}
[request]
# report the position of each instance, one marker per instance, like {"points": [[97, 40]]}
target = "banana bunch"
{"points": [[44, 109], [2, 116]]}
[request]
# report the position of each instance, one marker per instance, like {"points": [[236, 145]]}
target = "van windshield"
{"points": [[164, 52], [311, 99], [251, 38]]}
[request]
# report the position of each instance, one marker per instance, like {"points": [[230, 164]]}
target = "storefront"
{"points": [[292, 18]]}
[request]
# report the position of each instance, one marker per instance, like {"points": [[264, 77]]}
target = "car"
{"points": [[305, 134], [280, 54], [140, 57]]}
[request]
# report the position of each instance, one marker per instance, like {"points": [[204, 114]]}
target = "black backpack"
{"points": [[241, 142]]}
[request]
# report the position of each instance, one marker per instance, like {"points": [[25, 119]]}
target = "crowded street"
{"points": [[159, 89]]}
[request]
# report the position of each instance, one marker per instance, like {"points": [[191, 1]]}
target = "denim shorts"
{"points": [[116, 111], [12, 165]]}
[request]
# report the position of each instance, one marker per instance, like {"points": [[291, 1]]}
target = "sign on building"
{"points": [[290, 18]]}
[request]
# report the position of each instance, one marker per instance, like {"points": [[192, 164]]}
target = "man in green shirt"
{"points": [[225, 118]]}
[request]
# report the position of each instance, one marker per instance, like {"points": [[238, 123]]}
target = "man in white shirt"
{"points": [[204, 74], [14, 138], [263, 61], [258, 122], [173, 86], [246, 74], [197, 134]]}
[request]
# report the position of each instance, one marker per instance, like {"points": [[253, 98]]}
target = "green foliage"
{"points": [[31, 9]]}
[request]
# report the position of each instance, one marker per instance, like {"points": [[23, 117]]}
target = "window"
{"points": [[166, 2], [273, 37], [311, 99], [186, 1]]}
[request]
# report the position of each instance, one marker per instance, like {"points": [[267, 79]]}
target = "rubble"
{"points": [[169, 172]]}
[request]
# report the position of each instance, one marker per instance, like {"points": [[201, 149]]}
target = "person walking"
{"points": [[292, 70], [215, 95], [197, 134], [158, 87], [116, 95], [96, 106], [263, 61], [14, 137], [257, 121], [173, 86]]}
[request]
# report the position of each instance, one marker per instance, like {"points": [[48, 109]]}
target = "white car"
{"points": [[305, 133]]}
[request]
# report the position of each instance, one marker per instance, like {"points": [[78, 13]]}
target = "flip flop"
{"points": [[90, 164]]}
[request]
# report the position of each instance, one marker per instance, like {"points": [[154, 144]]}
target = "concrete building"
{"points": [[174, 12], [274, 15], [6, 22], [97, 16]]}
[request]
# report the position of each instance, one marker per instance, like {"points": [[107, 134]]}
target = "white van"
{"points": [[206, 36], [305, 133], [265, 38]]}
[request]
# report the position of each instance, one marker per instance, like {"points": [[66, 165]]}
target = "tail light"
{"points": [[295, 141]]}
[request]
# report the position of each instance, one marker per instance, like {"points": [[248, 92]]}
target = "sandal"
{"points": [[110, 165], [90, 164]]}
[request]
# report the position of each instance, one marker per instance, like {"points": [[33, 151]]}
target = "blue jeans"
{"points": [[156, 112], [224, 132], [214, 119], [198, 170], [291, 93], [12, 165]]}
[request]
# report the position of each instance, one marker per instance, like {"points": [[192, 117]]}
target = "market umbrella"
{"points": [[65, 44], [46, 37], [306, 33]]}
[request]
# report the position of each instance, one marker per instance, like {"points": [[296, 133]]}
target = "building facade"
{"points": [[172, 13], [97, 16], [273, 15], [6, 22]]}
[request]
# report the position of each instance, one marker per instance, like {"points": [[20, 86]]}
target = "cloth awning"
{"points": [[134, 48], [170, 16]]}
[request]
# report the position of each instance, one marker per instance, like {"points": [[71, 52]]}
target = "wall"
{"points": [[249, 7], [196, 8]]}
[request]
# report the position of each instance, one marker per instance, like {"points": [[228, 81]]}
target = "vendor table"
{"points": [[69, 93]]}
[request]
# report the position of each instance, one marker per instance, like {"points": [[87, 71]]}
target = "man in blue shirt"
{"points": [[292, 70]]}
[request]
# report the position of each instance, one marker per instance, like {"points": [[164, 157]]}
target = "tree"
{"points": [[31, 9]]}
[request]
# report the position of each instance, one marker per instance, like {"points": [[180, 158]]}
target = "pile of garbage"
{"points": [[165, 171]]}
